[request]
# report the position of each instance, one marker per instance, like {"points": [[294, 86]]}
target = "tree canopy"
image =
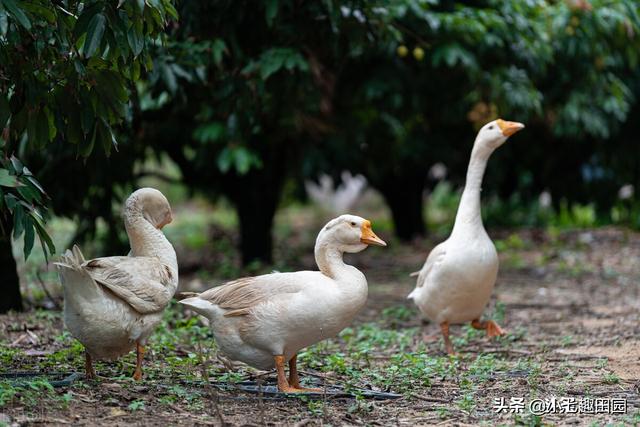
{"points": [[246, 97], [67, 70]]}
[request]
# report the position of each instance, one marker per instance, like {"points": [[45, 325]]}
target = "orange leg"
{"points": [[294, 380], [283, 384], [444, 327], [493, 330], [137, 375], [89, 373]]}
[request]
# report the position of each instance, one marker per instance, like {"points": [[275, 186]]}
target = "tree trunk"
{"points": [[256, 224], [11, 298], [405, 201], [256, 196]]}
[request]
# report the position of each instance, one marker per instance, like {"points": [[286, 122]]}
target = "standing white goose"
{"points": [[113, 304], [265, 320], [457, 280]]}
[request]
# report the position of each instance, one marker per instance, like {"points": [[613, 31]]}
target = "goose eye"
{"points": [[491, 127], [353, 224]]}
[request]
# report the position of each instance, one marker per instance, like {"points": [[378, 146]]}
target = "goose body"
{"points": [[457, 279], [265, 320], [113, 304], [471, 287]]}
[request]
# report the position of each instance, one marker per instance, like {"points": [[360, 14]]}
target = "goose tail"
{"points": [[76, 281], [199, 305]]}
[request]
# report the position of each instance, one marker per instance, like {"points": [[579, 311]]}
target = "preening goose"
{"points": [[113, 304], [456, 281], [265, 320]]}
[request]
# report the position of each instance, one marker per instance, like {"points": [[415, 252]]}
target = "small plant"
{"points": [[316, 407], [443, 412], [28, 393], [466, 403], [611, 378], [360, 405], [529, 420], [567, 340], [136, 405], [398, 313]]}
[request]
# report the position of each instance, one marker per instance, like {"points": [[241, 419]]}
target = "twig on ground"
{"points": [[429, 399], [213, 394]]}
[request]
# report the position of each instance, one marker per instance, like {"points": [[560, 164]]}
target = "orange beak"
{"points": [[368, 236], [509, 128], [167, 219]]}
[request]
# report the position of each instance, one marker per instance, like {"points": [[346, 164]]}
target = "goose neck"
{"points": [[330, 259], [146, 240], [469, 212]]}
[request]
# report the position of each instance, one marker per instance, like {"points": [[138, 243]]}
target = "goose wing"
{"points": [[238, 297], [434, 259], [142, 282]]}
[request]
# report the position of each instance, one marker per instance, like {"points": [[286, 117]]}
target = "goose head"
{"points": [[495, 133], [349, 233], [151, 204]]}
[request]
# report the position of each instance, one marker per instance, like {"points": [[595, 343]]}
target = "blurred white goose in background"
{"points": [[456, 282], [113, 304], [264, 321], [340, 199]]}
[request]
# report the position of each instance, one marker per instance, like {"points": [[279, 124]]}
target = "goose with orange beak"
{"points": [[264, 321], [457, 280]]}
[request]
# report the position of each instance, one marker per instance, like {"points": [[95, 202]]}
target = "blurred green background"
{"points": [[261, 120]]}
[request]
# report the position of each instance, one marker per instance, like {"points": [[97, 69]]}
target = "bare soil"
{"points": [[569, 300]]}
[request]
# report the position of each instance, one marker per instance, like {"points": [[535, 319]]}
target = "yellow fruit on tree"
{"points": [[418, 53], [402, 51]]}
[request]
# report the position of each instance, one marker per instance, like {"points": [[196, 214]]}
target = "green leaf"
{"points": [[51, 125], [45, 239], [135, 37], [17, 12], [29, 236], [95, 31], [18, 220], [41, 11], [209, 132], [218, 48], [87, 146], [36, 184], [8, 180], [169, 78], [140, 4], [18, 167], [242, 160], [224, 160], [4, 23], [135, 71], [104, 136], [82, 23], [271, 11]]}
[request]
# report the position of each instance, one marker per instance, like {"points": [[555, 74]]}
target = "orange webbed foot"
{"points": [[494, 330]]}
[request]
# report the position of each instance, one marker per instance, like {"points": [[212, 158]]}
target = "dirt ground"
{"points": [[569, 301]]}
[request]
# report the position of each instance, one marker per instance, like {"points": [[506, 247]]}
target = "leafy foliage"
{"points": [[23, 197], [67, 72]]}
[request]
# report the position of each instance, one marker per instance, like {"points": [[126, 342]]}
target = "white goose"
{"points": [[457, 280], [265, 320], [113, 304]]}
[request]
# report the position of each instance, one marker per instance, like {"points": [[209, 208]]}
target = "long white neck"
{"points": [[469, 215], [330, 259], [146, 240]]}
